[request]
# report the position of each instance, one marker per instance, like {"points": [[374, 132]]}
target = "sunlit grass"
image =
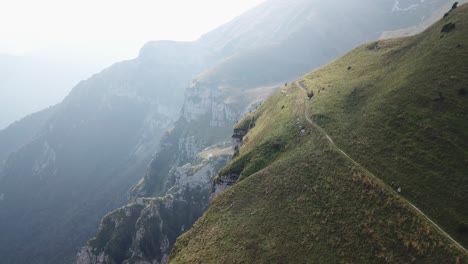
{"points": [[299, 201]]}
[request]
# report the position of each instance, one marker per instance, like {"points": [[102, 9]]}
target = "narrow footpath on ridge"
{"points": [[309, 120]]}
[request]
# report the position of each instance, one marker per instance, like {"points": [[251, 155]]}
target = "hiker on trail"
{"points": [[393, 184], [399, 190]]}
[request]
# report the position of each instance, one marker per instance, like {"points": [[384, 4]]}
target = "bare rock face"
{"points": [[188, 147], [206, 100], [144, 232], [222, 115], [87, 257], [198, 100], [223, 182]]}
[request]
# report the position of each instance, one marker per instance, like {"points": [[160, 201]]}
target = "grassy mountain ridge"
{"points": [[417, 112], [396, 106], [284, 41]]}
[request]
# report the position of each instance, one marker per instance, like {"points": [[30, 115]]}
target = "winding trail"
{"points": [[309, 120]]}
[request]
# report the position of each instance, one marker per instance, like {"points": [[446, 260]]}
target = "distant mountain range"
{"points": [[173, 107]]}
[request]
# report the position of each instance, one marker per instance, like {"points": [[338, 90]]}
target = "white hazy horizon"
{"points": [[111, 28], [48, 46]]}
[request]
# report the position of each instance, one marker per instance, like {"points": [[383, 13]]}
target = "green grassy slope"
{"points": [[400, 111], [300, 201]]}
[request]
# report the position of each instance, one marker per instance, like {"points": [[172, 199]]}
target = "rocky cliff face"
{"points": [[144, 231], [207, 116], [205, 99], [182, 172], [224, 181]]}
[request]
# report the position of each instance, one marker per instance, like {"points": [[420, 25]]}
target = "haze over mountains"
{"points": [[154, 131], [30, 83]]}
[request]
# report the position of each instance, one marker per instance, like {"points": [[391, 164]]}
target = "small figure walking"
{"points": [[393, 184], [399, 190]]}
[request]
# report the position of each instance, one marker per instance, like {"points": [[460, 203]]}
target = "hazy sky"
{"points": [[69, 40], [121, 25]]}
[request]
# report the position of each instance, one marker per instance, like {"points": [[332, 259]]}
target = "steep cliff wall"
{"points": [[144, 231]]}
